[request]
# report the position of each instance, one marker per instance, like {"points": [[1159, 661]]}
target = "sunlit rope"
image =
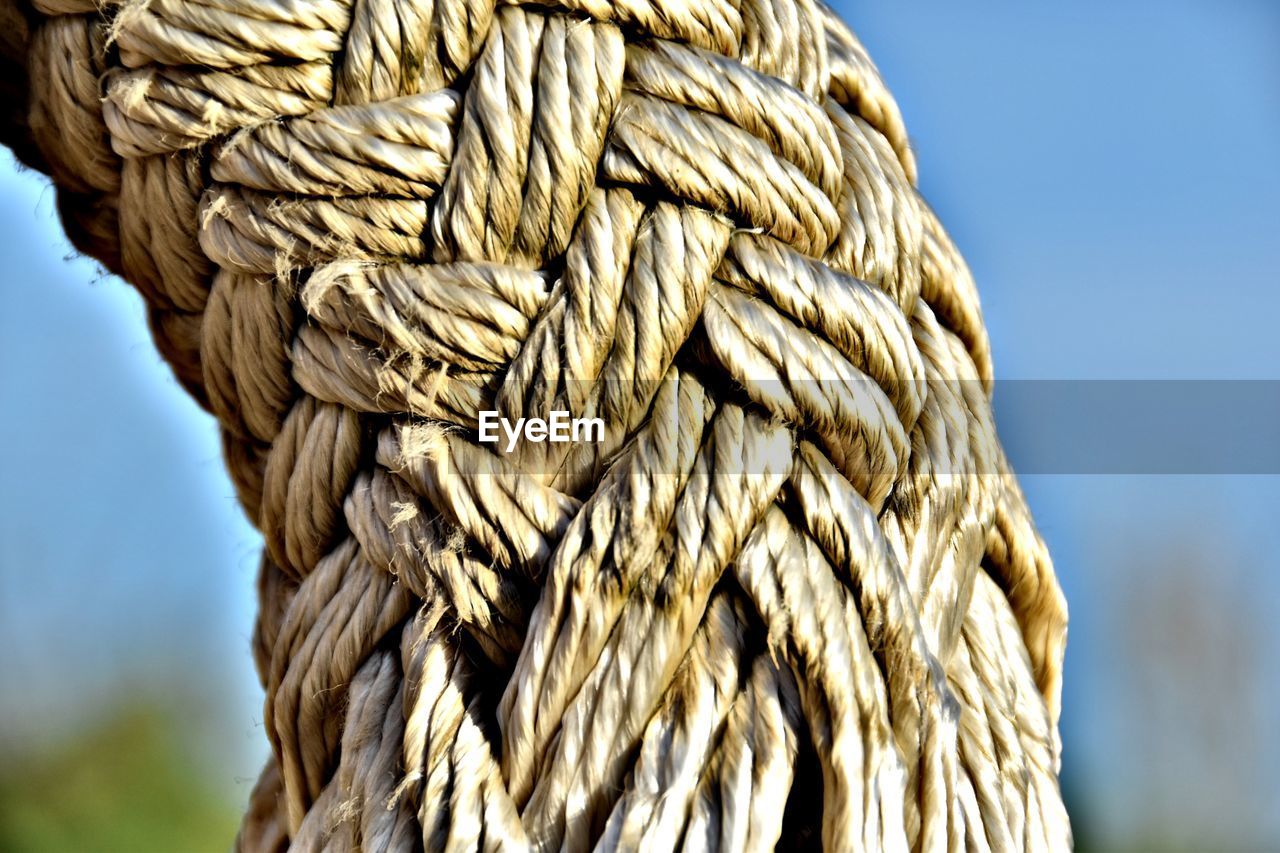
{"points": [[789, 596]]}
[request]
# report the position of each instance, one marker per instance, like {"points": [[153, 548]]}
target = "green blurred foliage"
{"points": [[125, 786]]}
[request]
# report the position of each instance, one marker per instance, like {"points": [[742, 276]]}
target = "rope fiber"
{"points": [[791, 597]]}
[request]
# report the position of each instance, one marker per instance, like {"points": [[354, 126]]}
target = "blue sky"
{"points": [[1110, 171], [126, 567]]}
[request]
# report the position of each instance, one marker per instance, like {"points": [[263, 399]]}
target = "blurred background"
{"points": [[1111, 171]]}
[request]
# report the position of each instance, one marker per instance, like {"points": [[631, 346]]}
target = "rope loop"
{"points": [[782, 591]]}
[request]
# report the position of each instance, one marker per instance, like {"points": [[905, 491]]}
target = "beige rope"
{"points": [[791, 597]]}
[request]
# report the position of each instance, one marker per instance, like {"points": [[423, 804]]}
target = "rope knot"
{"points": [[789, 591]]}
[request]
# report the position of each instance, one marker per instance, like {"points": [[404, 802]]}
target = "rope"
{"points": [[790, 595]]}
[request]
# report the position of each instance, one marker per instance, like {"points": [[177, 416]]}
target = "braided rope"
{"points": [[792, 596]]}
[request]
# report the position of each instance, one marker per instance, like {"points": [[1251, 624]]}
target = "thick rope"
{"points": [[790, 596]]}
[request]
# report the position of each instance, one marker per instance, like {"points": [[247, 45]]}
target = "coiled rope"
{"points": [[793, 596]]}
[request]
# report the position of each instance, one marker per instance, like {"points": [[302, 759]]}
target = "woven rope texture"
{"points": [[791, 597]]}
